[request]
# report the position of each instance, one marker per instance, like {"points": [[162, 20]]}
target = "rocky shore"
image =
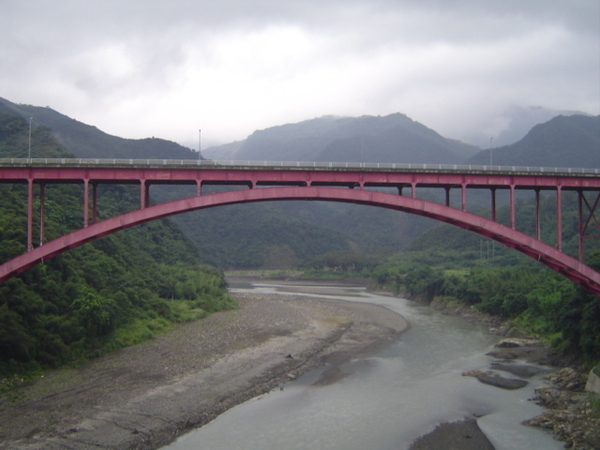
{"points": [[570, 415], [143, 397]]}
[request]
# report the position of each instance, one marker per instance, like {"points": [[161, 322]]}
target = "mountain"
{"points": [[388, 139], [516, 121], [86, 141], [564, 141], [521, 120]]}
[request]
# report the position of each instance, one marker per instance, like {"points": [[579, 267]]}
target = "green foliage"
{"points": [[423, 282], [97, 315], [106, 294], [533, 297]]}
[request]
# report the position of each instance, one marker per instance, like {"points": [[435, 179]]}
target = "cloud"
{"points": [[142, 68]]}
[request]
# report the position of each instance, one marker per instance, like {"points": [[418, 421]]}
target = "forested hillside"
{"points": [[511, 287], [111, 292], [86, 141]]}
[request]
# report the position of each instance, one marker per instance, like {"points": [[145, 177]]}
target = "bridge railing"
{"points": [[99, 162]]}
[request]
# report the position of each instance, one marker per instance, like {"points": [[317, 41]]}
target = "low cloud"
{"points": [[138, 69]]}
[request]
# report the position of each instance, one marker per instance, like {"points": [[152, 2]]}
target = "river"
{"points": [[387, 399]]}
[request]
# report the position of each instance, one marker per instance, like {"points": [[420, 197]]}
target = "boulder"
{"points": [[464, 435], [516, 342], [501, 382], [593, 382], [520, 370]]}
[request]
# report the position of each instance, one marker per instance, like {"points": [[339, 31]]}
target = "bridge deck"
{"points": [[292, 166]]}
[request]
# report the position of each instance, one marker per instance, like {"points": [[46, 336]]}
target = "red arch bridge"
{"points": [[392, 186]]}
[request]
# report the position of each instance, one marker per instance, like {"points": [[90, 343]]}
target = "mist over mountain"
{"points": [[388, 139], [564, 141], [512, 125]]}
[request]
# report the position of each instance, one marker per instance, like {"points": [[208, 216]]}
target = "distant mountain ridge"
{"points": [[86, 141], [564, 141], [387, 139]]}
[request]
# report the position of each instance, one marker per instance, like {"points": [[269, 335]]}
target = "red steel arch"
{"points": [[545, 254]]}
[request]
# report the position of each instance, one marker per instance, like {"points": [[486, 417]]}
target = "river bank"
{"points": [[143, 397], [570, 415]]}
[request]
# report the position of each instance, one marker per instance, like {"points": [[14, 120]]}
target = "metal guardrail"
{"points": [[98, 162]]}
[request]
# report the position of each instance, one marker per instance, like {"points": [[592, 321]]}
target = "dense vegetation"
{"points": [[106, 294], [529, 295]]}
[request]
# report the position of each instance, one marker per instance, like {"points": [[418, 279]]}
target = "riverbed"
{"points": [[385, 399], [144, 396]]}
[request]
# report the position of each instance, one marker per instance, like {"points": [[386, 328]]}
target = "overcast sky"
{"points": [[140, 68]]}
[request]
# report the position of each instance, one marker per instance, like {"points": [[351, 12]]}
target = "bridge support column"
{"points": [[198, 188], [42, 212], [559, 218], [29, 215], [86, 202], [580, 228], [413, 190], [447, 189], [512, 207], [537, 215], [94, 202], [493, 213], [144, 194], [463, 196]]}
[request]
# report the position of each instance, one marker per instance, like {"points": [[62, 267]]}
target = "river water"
{"points": [[387, 399]]}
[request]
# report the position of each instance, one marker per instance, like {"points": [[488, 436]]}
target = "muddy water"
{"points": [[385, 400]]}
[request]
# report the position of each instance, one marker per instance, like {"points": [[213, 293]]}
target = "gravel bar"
{"points": [[145, 396]]}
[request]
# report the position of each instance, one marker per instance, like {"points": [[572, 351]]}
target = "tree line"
{"points": [[112, 292]]}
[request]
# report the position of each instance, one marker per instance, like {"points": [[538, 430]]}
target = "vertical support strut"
{"points": [[580, 228], [29, 214], [447, 188], [198, 188], [559, 218], [94, 202], [86, 203], [413, 189], [144, 191], [512, 207], [42, 212], [493, 215], [463, 196], [537, 215]]}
